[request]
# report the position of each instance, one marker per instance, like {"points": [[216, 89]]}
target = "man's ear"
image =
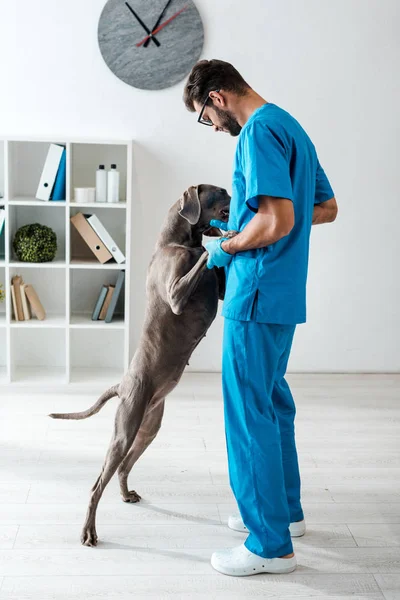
{"points": [[219, 99], [190, 205]]}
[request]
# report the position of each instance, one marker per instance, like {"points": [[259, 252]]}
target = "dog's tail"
{"points": [[110, 393]]}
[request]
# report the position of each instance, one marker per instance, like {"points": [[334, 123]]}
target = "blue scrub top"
{"points": [[274, 157]]}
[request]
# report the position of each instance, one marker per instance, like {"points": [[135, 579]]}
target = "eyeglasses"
{"points": [[207, 122]]}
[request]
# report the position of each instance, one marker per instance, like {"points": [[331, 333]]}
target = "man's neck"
{"points": [[246, 105]]}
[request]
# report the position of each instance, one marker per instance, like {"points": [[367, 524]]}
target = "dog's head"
{"points": [[199, 204]]}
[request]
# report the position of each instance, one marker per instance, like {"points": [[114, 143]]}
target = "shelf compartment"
{"points": [[4, 289], [96, 353], [3, 233], [84, 292], [113, 221], [38, 358], [50, 287], [2, 171], [86, 158], [39, 375], [3, 344], [101, 376], [26, 162], [3, 374], [20, 215]]}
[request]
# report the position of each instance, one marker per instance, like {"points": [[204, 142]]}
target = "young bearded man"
{"points": [[279, 190]]}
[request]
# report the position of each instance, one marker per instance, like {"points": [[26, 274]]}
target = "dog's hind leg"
{"points": [[128, 420], [148, 430]]}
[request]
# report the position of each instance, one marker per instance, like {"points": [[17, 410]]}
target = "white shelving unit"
{"points": [[67, 346]]}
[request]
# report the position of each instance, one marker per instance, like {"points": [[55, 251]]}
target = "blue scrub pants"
{"points": [[259, 415]]}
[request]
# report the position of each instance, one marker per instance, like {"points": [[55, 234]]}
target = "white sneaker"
{"points": [[240, 562], [235, 522]]}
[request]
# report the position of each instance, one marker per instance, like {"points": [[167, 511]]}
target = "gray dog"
{"points": [[182, 301]]}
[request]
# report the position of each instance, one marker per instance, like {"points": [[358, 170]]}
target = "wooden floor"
{"points": [[348, 431]]}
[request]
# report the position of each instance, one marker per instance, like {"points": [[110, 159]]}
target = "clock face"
{"points": [[160, 61]]}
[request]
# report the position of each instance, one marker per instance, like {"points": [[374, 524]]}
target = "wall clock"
{"points": [[150, 44]]}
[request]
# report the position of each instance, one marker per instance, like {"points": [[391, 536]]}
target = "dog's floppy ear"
{"points": [[190, 205]]}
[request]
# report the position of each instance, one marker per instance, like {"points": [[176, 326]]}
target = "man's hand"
{"points": [[219, 224], [217, 257], [273, 221]]}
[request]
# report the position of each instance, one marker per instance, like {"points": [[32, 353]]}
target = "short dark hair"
{"points": [[209, 75]]}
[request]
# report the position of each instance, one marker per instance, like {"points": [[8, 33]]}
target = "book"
{"points": [[49, 172], [105, 237], [2, 219], [115, 296], [14, 304], [35, 303], [25, 304], [107, 301], [91, 238], [17, 281], [59, 189], [99, 303]]}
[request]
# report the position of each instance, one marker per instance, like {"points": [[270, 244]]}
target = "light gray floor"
{"points": [[348, 441]]}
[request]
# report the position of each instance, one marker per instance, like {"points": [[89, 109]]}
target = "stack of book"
{"points": [[52, 181], [25, 300], [107, 300], [97, 238]]}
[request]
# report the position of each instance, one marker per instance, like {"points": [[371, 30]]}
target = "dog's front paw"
{"points": [[132, 496], [89, 536]]}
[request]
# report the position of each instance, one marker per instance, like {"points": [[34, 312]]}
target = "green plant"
{"points": [[35, 243], [2, 294]]}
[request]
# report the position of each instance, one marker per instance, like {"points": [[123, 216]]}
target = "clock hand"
{"points": [[157, 23], [157, 43], [161, 26]]}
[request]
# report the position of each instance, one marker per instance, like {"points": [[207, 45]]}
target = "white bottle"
{"points": [[101, 184], [113, 184]]}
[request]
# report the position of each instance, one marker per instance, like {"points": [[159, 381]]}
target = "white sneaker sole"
{"points": [[296, 529]]}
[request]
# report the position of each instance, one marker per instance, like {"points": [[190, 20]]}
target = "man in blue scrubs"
{"points": [[279, 190]]}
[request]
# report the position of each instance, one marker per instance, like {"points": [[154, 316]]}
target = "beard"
{"points": [[228, 121]]}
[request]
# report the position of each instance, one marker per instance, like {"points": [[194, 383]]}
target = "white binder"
{"points": [[49, 172], [105, 237]]}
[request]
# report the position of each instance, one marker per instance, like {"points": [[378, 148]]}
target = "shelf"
{"points": [[28, 201], [98, 204], [94, 264], [67, 346], [49, 321], [53, 264], [83, 321], [39, 375]]}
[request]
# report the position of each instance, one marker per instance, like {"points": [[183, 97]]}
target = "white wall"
{"points": [[332, 64]]}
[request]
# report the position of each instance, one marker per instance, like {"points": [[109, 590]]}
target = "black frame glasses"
{"points": [[202, 121]]}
